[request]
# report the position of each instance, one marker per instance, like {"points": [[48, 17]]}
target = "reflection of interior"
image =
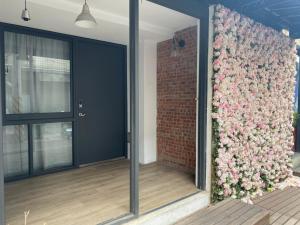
{"points": [[39, 75], [15, 150], [52, 148], [176, 105], [52, 143]]}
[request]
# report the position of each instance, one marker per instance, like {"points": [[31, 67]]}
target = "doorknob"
{"points": [[81, 114]]}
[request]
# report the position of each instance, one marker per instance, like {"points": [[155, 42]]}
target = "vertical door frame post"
{"points": [[202, 101], [2, 203], [134, 112], [297, 138]]}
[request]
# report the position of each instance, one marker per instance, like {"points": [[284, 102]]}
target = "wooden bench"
{"points": [[229, 212]]}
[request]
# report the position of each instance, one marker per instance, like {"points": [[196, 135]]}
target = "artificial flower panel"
{"points": [[253, 96]]}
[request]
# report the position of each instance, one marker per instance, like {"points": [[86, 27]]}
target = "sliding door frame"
{"points": [[134, 106], [199, 10], [2, 200], [195, 8]]}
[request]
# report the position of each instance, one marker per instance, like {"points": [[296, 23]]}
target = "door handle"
{"points": [[81, 114]]}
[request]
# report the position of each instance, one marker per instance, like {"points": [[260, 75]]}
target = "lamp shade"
{"points": [[85, 18], [25, 15]]}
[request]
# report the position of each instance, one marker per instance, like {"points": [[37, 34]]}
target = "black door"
{"points": [[101, 101]]}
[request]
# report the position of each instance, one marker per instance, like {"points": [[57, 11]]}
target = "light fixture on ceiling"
{"points": [[25, 13], [85, 18], [177, 45]]}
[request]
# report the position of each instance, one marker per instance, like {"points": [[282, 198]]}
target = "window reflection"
{"points": [[52, 145], [15, 150], [37, 74]]}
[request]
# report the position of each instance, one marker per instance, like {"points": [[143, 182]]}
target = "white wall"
{"points": [[147, 101]]}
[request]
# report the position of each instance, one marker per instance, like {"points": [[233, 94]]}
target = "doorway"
{"points": [[100, 72]]}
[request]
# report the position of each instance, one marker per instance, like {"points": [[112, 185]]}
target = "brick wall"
{"points": [[176, 105]]}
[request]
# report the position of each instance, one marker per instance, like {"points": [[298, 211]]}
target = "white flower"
{"points": [[254, 81]]}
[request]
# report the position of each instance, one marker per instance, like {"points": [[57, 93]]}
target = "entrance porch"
{"points": [[92, 194]]}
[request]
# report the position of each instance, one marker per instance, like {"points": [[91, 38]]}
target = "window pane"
{"points": [[15, 150], [52, 145], [37, 74]]}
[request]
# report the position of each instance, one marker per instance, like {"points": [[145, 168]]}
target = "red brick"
{"points": [[176, 105]]}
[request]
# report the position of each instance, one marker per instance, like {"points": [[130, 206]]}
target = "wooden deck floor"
{"points": [[284, 206], [90, 195], [228, 212], [281, 207]]}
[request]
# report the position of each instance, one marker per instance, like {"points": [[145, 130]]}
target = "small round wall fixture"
{"points": [[177, 46], [85, 18], [25, 13]]}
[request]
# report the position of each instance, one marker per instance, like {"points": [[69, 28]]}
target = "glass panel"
{"points": [[37, 74], [168, 136], [52, 145], [15, 150]]}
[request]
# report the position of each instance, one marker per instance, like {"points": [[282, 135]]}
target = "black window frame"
{"points": [[7, 118], [31, 172], [29, 119]]}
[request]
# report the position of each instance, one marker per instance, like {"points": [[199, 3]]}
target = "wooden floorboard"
{"points": [[281, 207], [228, 212], [93, 194], [284, 206]]}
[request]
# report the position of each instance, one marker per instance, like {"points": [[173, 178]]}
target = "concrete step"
{"points": [[297, 171], [296, 164], [174, 212], [296, 159], [229, 211]]}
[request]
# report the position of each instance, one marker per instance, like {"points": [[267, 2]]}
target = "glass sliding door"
{"points": [[168, 135], [38, 96], [37, 74], [52, 145], [15, 151]]}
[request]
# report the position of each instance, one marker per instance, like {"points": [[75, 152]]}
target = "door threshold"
{"points": [[102, 162]]}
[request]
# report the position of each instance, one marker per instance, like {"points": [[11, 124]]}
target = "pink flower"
{"points": [[253, 97]]}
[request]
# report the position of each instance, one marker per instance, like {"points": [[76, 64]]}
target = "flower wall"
{"points": [[253, 95]]}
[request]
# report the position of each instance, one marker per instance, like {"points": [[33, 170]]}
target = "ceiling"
{"points": [[157, 23], [279, 14]]}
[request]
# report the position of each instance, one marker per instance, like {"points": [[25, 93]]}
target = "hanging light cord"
{"points": [[25, 4]]}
